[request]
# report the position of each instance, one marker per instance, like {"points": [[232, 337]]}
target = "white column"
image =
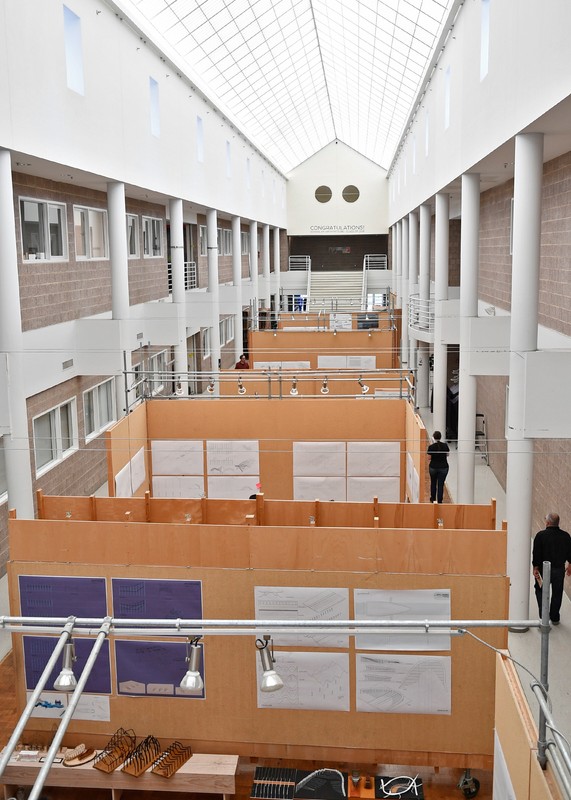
{"points": [[398, 265], [16, 442], [266, 264], [178, 290], [404, 291], [523, 339], [254, 271], [413, 279], [119, 262], [469, 253], [424, 259], [422, 394], [213, 290], [237, 281], [277, 269], [394, 260], [441, 248]]}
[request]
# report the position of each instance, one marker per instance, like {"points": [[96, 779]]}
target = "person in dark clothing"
{"points": [[438, 466], [553, 545]]}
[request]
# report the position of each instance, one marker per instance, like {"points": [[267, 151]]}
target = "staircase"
{"points": [[336, 291]]}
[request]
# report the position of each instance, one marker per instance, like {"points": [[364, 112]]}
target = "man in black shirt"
{"points": [[438, 467], [553, 545]]}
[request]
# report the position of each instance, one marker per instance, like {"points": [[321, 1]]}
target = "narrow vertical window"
{"points": [[228, 160], [447, 98], [73, 51], [199, 140], [133, 235], [484, 39], [154, 107]]}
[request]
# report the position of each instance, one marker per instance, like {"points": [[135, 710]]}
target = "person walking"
{"points": [[438, 466], [553, 545]]}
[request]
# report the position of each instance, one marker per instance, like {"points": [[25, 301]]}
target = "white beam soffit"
{"points": [[298, 74]]}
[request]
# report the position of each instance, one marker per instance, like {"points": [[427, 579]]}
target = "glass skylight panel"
{"points": [[297, 73]]}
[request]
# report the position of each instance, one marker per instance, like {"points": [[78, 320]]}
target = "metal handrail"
{"points": [[420, 313]]}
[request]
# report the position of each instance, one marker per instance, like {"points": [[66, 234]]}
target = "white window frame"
{"points": [[229, 329], [88, 216], [60, 452], [245, 243], [158, 363], [100, 424], [154, 227], [227, 237], [202, 240], [205, 343], [132, 223], [44, 224], [226, 328], [3, 471], [138, 381]]}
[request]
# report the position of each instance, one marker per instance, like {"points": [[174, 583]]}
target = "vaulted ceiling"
{"points": [[297, 74]]}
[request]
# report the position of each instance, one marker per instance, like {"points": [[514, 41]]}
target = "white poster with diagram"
{"points": [[403, 684]]}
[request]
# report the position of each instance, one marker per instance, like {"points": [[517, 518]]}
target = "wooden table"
{"points": [[215, 774]]}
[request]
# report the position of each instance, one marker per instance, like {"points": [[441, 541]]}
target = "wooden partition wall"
{"points": [[416, 447], [230, 561], [276, 426], [268, 512], [516, 763], [301, 345]]}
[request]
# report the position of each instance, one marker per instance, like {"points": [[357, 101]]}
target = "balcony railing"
{"points": [[420, 314], [190, 276]]}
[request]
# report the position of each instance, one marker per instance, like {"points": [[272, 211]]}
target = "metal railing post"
{"points": [[34, 697], [544, 664], [70, 710]]}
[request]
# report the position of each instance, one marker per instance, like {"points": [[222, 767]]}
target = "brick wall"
{"points": [[148, 277], [454, 228], [52, 292], [327, 252], [552, 461], [85, 470]]}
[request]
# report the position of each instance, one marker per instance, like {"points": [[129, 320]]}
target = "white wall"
{"points": [[337, 166], [107, 131], [529, 72]]}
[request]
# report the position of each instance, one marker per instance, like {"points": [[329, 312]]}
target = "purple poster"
{"points": [[38, 649], [55, 596], [156, 599], [152, 668]]}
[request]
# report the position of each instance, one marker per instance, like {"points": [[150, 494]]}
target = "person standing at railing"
{"points": [[242, 363], [438, 466]]}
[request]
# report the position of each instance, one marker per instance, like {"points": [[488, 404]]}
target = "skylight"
{"points": [[297, 74]]}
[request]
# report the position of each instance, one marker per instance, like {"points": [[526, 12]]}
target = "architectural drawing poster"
{"points": [[304, 603], [316, 681], [396, 684], [403, 604]]}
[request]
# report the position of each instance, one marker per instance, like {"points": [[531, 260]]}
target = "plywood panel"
{"points": [[123, 442], [514, 726], [301, 345], [394, 550], [228, 716]]}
